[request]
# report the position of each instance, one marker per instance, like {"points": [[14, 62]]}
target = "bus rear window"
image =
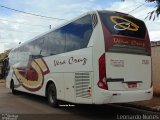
{"points": [[123, 24]]}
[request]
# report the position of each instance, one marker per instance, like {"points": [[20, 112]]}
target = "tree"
{"points": [[155, 13]]}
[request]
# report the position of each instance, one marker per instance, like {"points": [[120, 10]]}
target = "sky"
{"points": [[16, 27]]}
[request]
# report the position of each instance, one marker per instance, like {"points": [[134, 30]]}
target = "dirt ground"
{"points": [[155, 101], [2, 83]]}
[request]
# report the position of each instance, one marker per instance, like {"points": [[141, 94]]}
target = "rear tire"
{"points": [[52, 95]]}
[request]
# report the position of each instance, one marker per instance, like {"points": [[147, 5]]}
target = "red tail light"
{"points": [[102, 73]]}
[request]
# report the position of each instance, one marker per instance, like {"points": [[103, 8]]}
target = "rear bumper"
{"points": [[125, 96]]}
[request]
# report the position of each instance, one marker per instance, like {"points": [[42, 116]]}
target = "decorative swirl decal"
{"points": [[124, 24], [34, 78]]}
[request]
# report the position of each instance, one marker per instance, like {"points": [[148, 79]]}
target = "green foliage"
{"points": [[155, 13]]}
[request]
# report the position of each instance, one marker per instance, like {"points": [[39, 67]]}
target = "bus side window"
{"points": [[78, 33], [42, 46], [56, 42]]}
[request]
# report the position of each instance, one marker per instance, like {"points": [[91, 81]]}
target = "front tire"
{"points": [[13, 88], [52, 95]]}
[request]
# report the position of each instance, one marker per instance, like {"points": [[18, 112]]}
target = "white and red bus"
{"points": [[98, 58]]}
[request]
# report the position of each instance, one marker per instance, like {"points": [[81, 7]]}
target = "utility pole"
{"points": [[50, 26]]}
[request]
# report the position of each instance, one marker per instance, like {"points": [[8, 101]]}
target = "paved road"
{"points": [[31, 107]]}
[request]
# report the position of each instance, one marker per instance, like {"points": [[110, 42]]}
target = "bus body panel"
{"points": [[98, 50], [128, 72], [62, 72], [67, 67]]}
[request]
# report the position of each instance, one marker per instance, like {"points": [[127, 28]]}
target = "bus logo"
{"points": [[125, 24]]}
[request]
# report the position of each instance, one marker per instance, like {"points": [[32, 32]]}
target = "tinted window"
{"points": [[56, 42], [73, 36], [37, 46], [31, 47], [19, 57], [78, 33], [122, 24]]}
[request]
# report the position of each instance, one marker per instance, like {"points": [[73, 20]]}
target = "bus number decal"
{"points": [[117, 63]]}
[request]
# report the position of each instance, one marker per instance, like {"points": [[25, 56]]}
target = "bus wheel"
{"points": [[13, 88], [52, 95]]}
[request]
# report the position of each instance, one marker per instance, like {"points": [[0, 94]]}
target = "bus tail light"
{"points": [[102, 73]]}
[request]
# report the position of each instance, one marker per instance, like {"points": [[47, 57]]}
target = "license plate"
{"points": [[132, 85]]}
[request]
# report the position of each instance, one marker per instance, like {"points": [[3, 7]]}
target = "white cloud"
{"points": [[15, 33], [154, 35]]}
